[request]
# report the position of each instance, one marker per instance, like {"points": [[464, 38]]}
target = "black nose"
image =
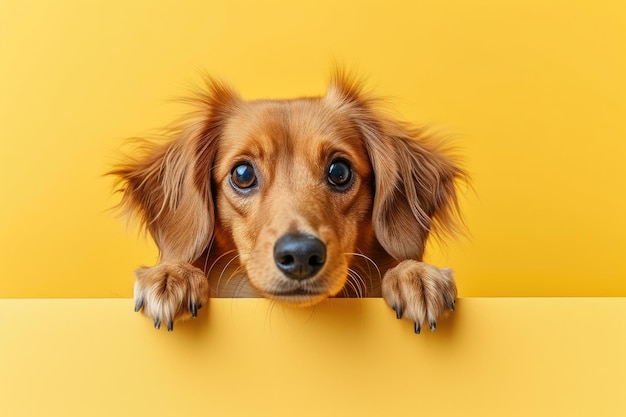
{"points": [[299, 256]]}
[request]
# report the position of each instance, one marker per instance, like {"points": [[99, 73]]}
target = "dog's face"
{"points": [[296, 188], [293, 188]]}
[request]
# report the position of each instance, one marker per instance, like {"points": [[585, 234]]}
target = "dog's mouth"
{"points": [[299, 295], [297, 292]]}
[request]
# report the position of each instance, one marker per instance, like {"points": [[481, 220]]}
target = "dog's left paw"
{"points": [[170, 291], [418, 291]]}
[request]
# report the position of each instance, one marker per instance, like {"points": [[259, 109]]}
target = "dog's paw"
{"points": [[417, 291], [170, 291]]}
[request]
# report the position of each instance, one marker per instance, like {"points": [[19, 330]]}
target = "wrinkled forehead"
{"points": [[291, 129]]}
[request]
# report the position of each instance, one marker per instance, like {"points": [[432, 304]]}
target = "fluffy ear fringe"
{"points": [[417, 175], [165, 182]]}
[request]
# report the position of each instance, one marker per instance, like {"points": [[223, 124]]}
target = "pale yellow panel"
{"points": [[533, 93], [496, 357]]}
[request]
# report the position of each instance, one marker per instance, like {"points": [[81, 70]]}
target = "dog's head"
{"points": [[297, 187]]}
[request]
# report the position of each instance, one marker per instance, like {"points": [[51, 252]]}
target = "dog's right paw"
{"points": [[169, 292], [419, 292]]}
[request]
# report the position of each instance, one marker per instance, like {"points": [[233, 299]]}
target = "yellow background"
{"points": [[533, 93], [496, 357]]}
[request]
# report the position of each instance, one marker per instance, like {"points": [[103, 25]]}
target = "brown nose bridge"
{"points": [[294, 210]]}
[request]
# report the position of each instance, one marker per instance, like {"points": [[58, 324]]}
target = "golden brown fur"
{"points": [[221, 192]]}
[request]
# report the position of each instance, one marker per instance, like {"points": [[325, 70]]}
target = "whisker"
{"points": [[350, 284], [358, 282], [218, 259], [217, 287], [355, 287], [362, 284], [370, 261], [206, 259], [344, 291], [239, 285]]}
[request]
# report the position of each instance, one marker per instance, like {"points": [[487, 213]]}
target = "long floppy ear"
{"points": [[164, 183], [415, 177]]}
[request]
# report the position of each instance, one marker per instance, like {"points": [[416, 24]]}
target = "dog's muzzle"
{"points": [[299, 256]]}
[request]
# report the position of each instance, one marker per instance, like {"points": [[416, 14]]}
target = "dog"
{"points": [[295, 200]]}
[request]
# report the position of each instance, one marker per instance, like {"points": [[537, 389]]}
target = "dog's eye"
{"points": [[340, 173], [243, 176]]}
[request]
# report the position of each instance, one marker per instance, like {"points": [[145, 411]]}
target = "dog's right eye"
{"points": [[243, 176], [340, 174]]}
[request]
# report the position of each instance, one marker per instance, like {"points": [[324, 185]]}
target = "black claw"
{"points": [[398, 311], [138, 304], [170, 326], [433, 326], [194, 310], [417, 327], [450, 303], [157, 323]]}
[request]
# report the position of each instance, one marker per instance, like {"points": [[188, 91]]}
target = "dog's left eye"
{"points": [[243, 176], [340, 173]]}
